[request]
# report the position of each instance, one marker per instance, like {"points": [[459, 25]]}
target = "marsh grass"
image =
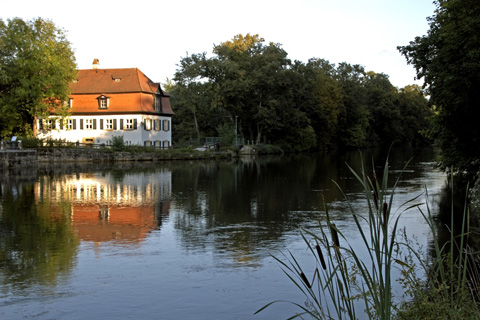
{"points": [[351, 282]]}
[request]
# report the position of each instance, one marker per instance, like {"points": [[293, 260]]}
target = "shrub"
{"points": [[117, 143]]}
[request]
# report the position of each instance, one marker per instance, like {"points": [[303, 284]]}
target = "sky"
{"points": [[154, 35]]}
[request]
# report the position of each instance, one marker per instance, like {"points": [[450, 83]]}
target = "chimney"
{"points": [[95, 64]]}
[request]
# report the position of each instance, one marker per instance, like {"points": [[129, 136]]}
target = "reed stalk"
{"points": [[344, 280]]}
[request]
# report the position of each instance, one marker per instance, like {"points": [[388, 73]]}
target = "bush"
{"points": [[117, 143], [31, 143]]}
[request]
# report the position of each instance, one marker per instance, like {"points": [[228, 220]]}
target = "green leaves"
{"points": [[36, 68], [297, 106], [448, 59]]}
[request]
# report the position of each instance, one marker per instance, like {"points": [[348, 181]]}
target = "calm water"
{"points": [[183, 240]]}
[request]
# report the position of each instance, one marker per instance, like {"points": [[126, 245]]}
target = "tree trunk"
{"points": [[196, 123], [259, 134]]}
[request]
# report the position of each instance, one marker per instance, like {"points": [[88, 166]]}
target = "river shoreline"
{"points": [[32, 158]]}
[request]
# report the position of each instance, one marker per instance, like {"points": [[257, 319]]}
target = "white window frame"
{"points": [[108, 124], [68, 124], [88, 124], [148, 124], [129, 124], [166, 125]]}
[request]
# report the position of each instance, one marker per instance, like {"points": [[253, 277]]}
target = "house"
{"points": [[105, 103]]}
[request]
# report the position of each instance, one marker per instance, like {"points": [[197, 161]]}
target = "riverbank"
{"points": [[31, 158]]}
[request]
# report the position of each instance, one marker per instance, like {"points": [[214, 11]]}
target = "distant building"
{"points": [[105, 103]]}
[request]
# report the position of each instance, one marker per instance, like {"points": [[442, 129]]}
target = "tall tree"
{"points": [[37, 65], [353, 117], [448, 59]]}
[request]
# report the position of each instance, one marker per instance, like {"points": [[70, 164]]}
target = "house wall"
{"points": [[93, 129]]}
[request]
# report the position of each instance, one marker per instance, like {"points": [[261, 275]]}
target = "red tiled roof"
{"points": [[129, 91], [105, 81]]}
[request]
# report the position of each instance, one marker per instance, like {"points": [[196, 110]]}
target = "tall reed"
{"points": [[348, 278]]}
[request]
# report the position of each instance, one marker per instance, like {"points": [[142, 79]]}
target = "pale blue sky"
{"points": [[154, 35]]}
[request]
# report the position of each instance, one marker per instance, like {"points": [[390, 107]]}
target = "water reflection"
{"points": [[106, 206], [196, 221], [36, 238]]}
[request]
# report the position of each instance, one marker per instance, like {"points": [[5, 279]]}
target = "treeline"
{"points": [[253, 87]]}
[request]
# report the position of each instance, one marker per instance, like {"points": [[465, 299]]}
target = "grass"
{"points": [[356, 283]]}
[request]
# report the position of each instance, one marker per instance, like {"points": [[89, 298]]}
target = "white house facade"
{"points": [[106, 103]]}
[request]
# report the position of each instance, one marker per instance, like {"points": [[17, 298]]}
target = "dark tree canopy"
{"points": [[298, 106], [448, 60], [37, 65]]}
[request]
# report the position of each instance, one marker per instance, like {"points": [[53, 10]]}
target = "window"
{"points": [[166, 125], [88, 124], [49, 124], [68, 103], [109, 124], [166, 143], [156, 125], [69, 124], [157, 100], [129, 124], [103, 102], [148, 124]]}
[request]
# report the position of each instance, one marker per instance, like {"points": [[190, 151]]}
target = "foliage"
{"points": [[227, 134], [31, 143], [37, 65], [117, 143], [342, 280], [448, 60], [451, 288], [297, 106]]}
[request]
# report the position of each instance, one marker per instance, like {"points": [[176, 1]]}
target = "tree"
{"points": [[353, 117], [37, 65], [448, 60], [245, 79]]}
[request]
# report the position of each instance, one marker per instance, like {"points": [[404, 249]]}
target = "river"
{"points": [[181, 240]]}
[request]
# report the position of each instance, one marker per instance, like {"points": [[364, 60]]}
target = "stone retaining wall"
{"points": [[17, 158], [14, 159]]}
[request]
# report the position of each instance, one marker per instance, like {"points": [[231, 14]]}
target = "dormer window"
{"points": [[117, 79], [103, 102], [68, 103], [157, 100]]}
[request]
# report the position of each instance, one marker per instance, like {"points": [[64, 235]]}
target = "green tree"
{"points": [[319, 95], [247, 80], [37, 65], [353, 117], [448, 60]]}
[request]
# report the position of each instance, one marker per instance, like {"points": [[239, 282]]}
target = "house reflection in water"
{"points": [[106, 207]]}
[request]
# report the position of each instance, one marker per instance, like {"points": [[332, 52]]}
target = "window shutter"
{"points": [[101, 124], [74, 124], [114, 124], [61, 124], [81, 124], [121, 124], [94, 124], [134, 124], [40, 124]]}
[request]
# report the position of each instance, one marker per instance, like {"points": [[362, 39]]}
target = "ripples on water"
{"points": [[184, 240]]}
